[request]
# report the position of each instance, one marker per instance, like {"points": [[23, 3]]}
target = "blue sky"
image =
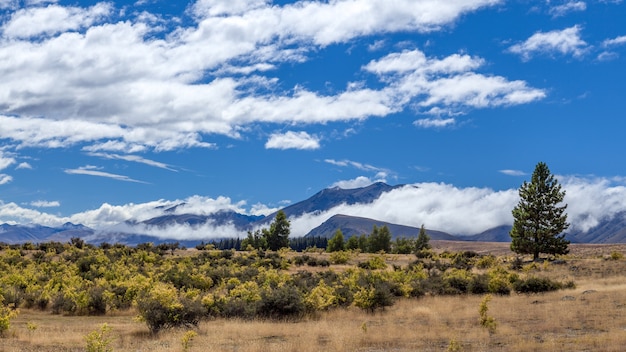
{"points": [[109, 109]]}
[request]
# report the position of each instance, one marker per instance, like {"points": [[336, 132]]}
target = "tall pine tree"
{"points": [[539, 218]]}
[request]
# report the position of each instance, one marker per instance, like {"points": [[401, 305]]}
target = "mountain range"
{"points": [[612, 230]]}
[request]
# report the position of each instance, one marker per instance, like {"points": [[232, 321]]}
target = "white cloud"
{"points": [[439, 206], [5, 161], [355, 164], [621, 40], [91, 171], [293, 140], [130, 84], [447, 85], [436, 123], [564, 42], [570, 6], [45, 204], [4, 179], [53, 19], [134, 158], [24, 165], [360, 181], [509, 172]]}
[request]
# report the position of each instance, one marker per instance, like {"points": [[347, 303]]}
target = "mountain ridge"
{"points": [[610, 230]]}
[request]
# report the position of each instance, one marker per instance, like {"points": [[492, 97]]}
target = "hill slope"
{"points": [[356, 226]]}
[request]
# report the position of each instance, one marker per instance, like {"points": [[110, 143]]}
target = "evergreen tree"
{"points": [[539, 220], [380, 239], [278, 235], [423, 240], [352, 242], [336, 243]]}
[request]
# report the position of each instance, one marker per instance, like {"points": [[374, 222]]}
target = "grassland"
{"points": [[591, 317]]}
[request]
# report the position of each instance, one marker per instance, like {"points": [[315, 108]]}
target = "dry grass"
{"points": [[591, 317]]}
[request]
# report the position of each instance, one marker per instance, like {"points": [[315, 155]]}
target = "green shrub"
{"points": [[375, 262], [536, 285], [161, 307], [6, 314], [99, 340], [376, 296], [341, 257], [282, 302]]}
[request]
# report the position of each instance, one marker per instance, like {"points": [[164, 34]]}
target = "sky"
{"points": [[111, 111]]}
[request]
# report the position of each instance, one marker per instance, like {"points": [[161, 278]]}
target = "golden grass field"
{"points": [[591, 317]]}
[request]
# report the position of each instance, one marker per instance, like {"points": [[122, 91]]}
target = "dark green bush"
{"points": [[283, 302], [536, 285]]}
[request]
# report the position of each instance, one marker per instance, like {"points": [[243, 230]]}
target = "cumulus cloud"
{"points": [[125, 83], [53, 19], [293, 140], [563, 42], [448, 84], [92, 171]]}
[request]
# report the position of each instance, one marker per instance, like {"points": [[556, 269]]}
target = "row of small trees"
{"points": [[379, 240]]}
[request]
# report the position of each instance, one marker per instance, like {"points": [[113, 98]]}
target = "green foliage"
{"points": [[277, 236], [6, 314], [161, 307], [187, 338], [379, 240], [535, 284], [422, 242], [403, 245], [282, 302], [486, 321], [336, 243], [255, 240], [615, 255], [375, 296], [341, 257], [375, 262], [352, 243], [454, 346], [539, 220], [321, 297], [99, 340]]}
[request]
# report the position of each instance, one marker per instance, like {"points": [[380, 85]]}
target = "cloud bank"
{"points": [[439, 206]]}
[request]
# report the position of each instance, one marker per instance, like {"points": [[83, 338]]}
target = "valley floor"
{"points": [[591, 317]]}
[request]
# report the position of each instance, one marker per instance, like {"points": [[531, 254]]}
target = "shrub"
{"points": [[6, 314], [377, 296], [340, 257], [535, 285], [486, 262], [485, 320], [374, 263], [282, 302], [616, 255], [187, 338], [160, 307], [321, 297], [99, 340]]}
